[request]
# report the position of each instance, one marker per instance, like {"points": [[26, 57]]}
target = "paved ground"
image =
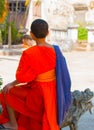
{"points": [[81, 67]]}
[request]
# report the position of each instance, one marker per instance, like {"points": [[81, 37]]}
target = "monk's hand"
{"points": [[7, 87]]}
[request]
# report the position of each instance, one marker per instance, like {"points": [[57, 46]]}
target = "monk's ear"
{"points": [[48, 33], [32, 35]]}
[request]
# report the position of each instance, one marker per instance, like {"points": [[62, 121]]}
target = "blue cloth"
{"points": [[63, 85]]}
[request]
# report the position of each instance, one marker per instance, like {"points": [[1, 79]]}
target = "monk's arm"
{"points": [[10, 85]]}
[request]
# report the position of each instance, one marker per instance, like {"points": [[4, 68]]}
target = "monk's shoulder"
{"points": [[32, 50]]}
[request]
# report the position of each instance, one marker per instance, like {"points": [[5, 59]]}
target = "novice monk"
{"points": [[33, 105], [27, 41]]}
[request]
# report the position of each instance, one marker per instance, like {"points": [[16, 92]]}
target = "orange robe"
{"points": [[34, 103]]}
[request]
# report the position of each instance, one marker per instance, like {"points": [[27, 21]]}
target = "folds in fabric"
{"points": [[63, 82]]}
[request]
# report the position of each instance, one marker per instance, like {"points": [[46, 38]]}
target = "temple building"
{"points": [[63, 16]]}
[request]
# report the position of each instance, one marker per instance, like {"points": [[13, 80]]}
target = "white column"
{"points": [[29, 18], [91, 36], [73, 34]]}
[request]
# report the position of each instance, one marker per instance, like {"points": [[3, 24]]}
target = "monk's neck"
{"points": [[41, 41]]}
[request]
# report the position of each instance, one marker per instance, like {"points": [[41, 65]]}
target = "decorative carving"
{"points": [[58, 13], [81, 102]]}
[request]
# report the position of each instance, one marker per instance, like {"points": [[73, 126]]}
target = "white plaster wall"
{"points": [[90, 36], [80, 1], [56, 12], [73, 34]]}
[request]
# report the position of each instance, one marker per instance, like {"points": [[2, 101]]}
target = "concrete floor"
{"points": [[81, 67]]}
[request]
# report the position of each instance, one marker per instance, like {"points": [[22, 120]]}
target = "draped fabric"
{"points": [[38, 104], [35, 102], [63, 85]]}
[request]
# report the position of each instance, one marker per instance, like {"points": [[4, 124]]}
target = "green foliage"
{"points": [[1, 81], [2, 2], [0, 38], [15, 35], [4, 31], [82, 33]]}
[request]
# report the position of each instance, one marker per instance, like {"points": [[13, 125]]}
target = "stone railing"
{"points": [[60, 37]]}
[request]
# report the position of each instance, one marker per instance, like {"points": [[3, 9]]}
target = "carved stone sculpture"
{"points": [[81, 102]]}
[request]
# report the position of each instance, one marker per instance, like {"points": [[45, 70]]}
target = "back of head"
{"points": [[39, 28], [26, 36]]}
